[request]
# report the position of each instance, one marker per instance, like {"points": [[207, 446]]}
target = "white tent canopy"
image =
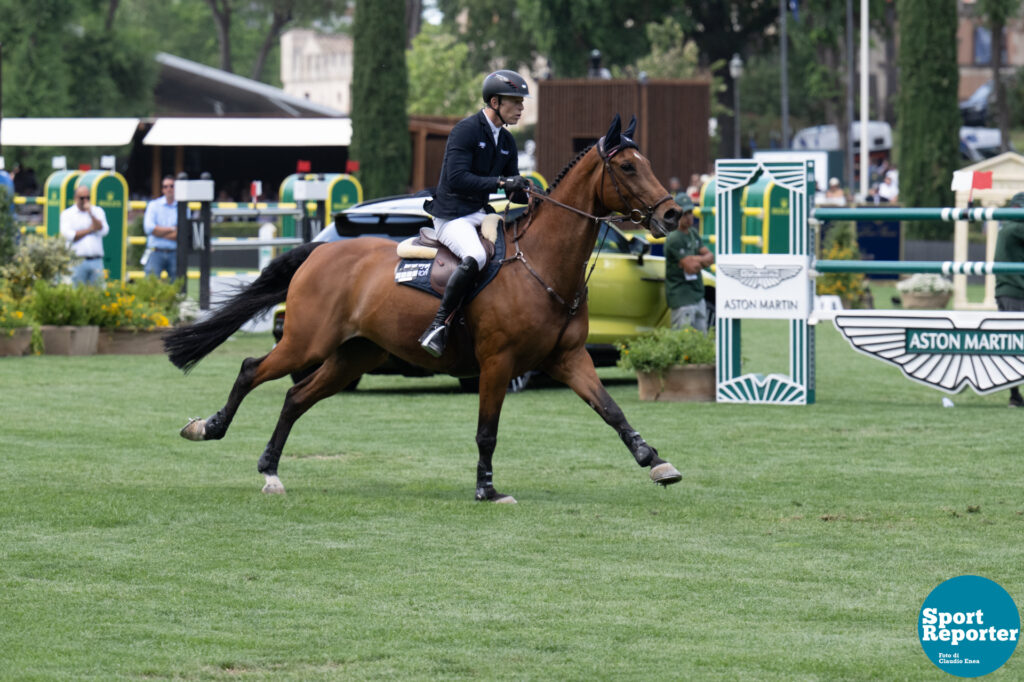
{"points": [[67, 132], [250, 132]]}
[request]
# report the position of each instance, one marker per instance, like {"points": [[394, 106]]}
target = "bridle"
{"points": [[637, 216]]}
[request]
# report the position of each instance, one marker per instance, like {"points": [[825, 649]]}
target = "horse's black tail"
{"points": [[187, 345]]}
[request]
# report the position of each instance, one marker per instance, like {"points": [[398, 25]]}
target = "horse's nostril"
{"points": [[671, 216]]}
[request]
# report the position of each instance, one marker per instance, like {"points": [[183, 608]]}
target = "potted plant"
{"points": [[672, 364], [68, 318], [925, 291], [16, 327], [134, 317]]}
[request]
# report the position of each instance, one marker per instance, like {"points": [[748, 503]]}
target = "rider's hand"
{"points": [[515, 183]]}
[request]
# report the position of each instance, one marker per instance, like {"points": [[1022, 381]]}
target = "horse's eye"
{"points": [[629, 167]]}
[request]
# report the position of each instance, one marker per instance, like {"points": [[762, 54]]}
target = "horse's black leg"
{"points": [[577, 371], [493, 383], [216, 425]]}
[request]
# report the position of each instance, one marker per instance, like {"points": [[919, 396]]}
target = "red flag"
{"points": [[303, 166], [982, 180], [351, 166]]}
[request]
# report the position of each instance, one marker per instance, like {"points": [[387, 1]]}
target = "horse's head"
{"points": [[629, 185]]}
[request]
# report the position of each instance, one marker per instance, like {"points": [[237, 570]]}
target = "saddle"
{"points": [[427, 264]]}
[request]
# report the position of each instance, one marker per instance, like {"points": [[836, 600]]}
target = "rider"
{"points": [[480, 158]]}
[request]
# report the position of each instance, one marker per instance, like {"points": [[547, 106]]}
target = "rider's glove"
{"points": [[515, 183]]}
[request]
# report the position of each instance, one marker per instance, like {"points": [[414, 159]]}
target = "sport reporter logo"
{"points": [[969, 626]]}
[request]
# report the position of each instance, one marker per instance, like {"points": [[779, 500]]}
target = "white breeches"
{"points": [[462, 236]]}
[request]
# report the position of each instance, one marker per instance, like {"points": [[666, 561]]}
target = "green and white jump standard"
{"points": [[764, 285]]}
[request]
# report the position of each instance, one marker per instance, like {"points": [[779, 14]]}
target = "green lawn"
{"points": [[799, 546]]}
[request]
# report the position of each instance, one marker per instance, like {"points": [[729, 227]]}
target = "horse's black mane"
{"points": [[568, 167]]}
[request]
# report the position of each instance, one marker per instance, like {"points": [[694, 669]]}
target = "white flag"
{"points": [[962, 180]]}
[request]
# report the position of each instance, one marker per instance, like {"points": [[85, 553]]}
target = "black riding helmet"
{"points": [[505, 82]]}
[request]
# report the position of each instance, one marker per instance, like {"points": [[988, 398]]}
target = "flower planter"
{"points": [[69, 339], [681, 383], [131, 341], [15, 342], [919, 300]]}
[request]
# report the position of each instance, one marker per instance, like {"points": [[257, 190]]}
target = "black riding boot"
{"points": [[436, 337]]}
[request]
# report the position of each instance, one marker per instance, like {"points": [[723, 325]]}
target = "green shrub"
{"points": [[66, 304], [852, 287], [7, 227], [662, 348], [141, 304], [37, 259]]}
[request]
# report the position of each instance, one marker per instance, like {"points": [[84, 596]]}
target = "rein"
{"points": [[635, 216]]}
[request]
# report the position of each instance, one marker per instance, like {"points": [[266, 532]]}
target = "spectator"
{"points": [[695, 184], [25, 183], [889, 189], [835, 195], [84, 226], [161, 227], [685, 257], [1010, 288]]}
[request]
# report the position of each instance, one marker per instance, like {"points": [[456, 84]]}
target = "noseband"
{"points": [[636, 216]]}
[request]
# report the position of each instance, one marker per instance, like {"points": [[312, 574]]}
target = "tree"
{"points": [[722, 28], [671, 55], [441, 81], [380, 127], [491, 30], [997, 13], [222, 10], [929, 118]]}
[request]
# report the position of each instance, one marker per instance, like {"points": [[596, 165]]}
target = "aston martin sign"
{"points": [[944, 350], [763, 286]]}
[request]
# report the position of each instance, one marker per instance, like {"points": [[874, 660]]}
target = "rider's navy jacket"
{"points": [[471, 168]]}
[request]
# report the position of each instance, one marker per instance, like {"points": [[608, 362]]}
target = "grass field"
{"points": [[799, 546]]}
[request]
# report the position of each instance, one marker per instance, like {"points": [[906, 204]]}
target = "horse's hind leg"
{"points": [[576, 369], [348, 363]]}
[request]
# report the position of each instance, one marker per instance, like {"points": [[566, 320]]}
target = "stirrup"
{"points": [[435, 339]]}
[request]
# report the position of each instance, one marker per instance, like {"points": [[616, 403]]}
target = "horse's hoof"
{"points": [[194, 430], [273, 486], [665, 474], [492, 495]]}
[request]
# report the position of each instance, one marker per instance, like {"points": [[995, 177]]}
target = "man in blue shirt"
{"points": [[161, 226]]}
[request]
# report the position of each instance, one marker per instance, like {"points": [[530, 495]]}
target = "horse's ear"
{"points": [[631, 129], [612, 137]]}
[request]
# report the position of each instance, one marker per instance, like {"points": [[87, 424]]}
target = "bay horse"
{"points": [[346, 312]]}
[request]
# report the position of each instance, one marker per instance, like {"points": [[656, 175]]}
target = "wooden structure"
{"points": [[429, 135], [672, 122], [1007, 179]]}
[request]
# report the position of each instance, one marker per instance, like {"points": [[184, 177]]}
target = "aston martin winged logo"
{"points": [[760, 276], [947, 351]]}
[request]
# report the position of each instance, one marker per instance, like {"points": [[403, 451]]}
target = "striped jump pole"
{"points": [[947, 267], [897, 213]]}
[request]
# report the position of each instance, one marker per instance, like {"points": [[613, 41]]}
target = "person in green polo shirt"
{"points": [[1010, 288], [685, 257]]}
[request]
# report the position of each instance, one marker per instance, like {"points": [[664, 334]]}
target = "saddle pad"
{"points": [[415, 272]]}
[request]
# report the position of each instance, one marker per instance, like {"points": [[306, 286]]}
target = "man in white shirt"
{"points": [[84, 226]]}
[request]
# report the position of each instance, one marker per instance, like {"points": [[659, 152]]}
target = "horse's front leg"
{"points": [[576, 369], [493, 383]]}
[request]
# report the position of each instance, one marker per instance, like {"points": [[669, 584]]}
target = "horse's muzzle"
{"points": [[662, 226]]}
